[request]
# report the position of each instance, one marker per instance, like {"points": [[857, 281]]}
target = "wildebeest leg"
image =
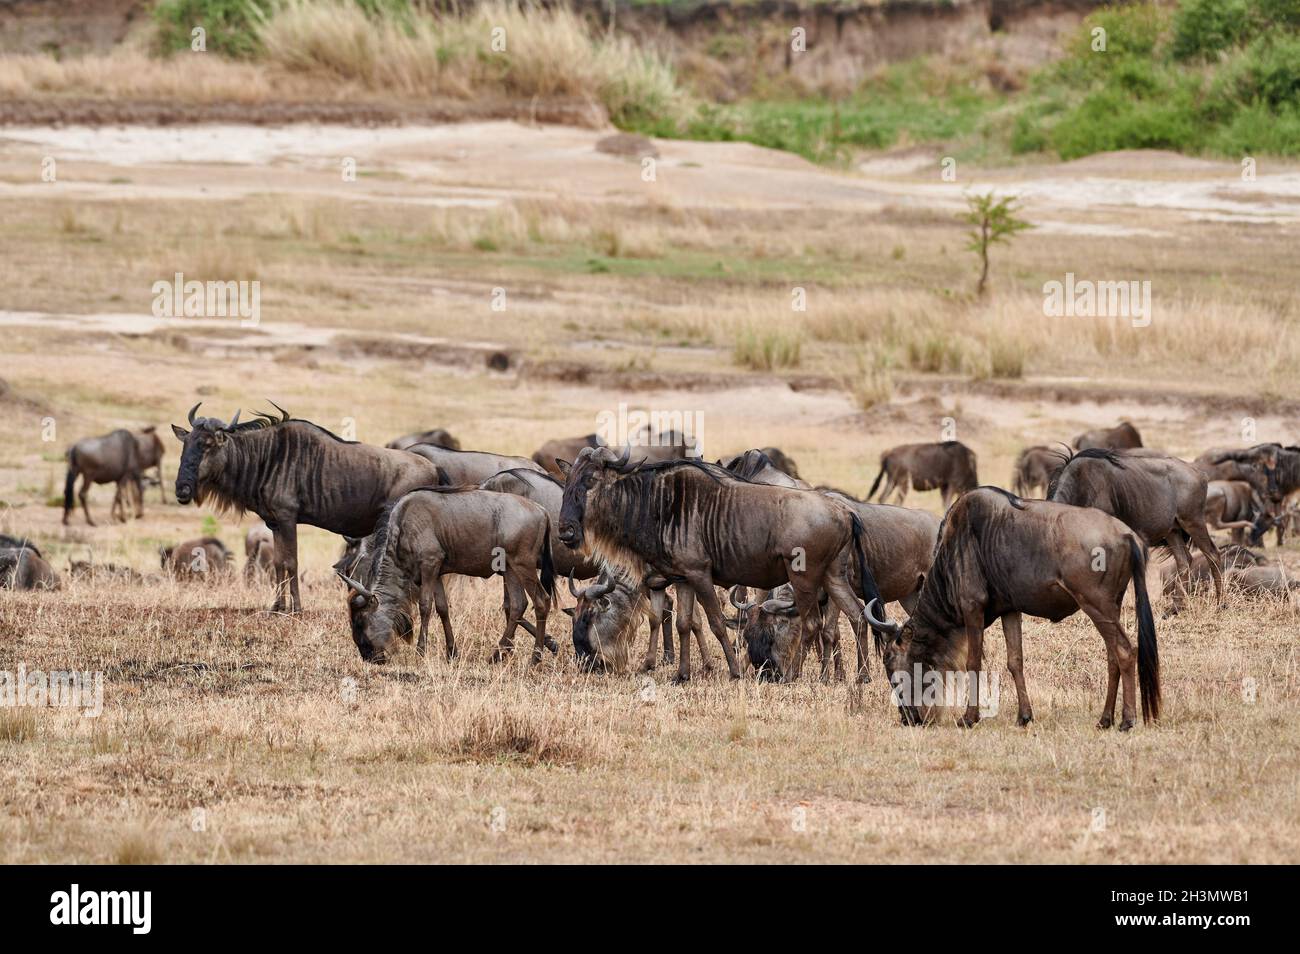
{"points": [[1184, 575], [706, 659], [440, 605], [974, 618], [708, 599], [903, 485], [514, 604], [541, 609], [666, 627], [685, 610], [138, 483], [1205, 543], [830, 638], [1016, 666], [285, 535], [162, 489], [656, 619], [889, 488], [85, 488], [1121, 661], [844, 599]]}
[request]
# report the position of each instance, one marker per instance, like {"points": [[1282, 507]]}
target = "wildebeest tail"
{"points": [[1148, 651], [876, 483], [70, 483], [548, 565], [867, 581]]}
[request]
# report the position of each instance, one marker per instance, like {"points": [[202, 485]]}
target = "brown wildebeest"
{"points": [[1244, 571], [1160, 497], [204, 558], [462, 467], [435, 531], [290, 472], [23, 568], [1034, 468], [699, 525], [601, 607], [1286, 490], [948, 466], [1123, 436], [1002, 557], [110, 459], [555, 456], [566, 449], [778, 459], [259, 553], [1256, 465], [758, 468], [149, 453], [438, 437], [1234, 505]]}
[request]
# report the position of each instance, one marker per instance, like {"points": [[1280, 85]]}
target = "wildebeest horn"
{"points": [[192, 410], [573, 590], [778, 607], [354, 584], [233, 421], [884, 625], [731, 598], [597, 590], [621, 463]]}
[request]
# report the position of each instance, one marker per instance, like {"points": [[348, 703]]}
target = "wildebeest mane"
{"points": [[1094, 453]]}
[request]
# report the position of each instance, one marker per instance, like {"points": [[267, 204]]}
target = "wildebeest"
{"points": [[1244, 571], [98, 572], [23, 568], [259, 552], [204, 558], [290, 472], [1234, 505], [461, 467], [1034, 468], [645, 445], [110, 459], [999, 556], [1123, 436], [948, 466], [564, 448], [437, 437], [758, 468], [697, 524], [778, 459], [435, 531], [605, 608], [1162, 498], [17, 543], [898, 545]]}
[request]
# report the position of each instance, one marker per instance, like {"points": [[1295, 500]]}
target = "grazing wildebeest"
{"points": [[1234, 505], [437, 437], [606, 613], [1162, 498], [112, 458], [259, 553], [1123, 436], [461, 467], [758, 468], [948, 466], [699, 525], [776, 457], [23, 568], [1002, 557], [290, 472], [204, 558], [1034, 468], [605, 608], [435, 531]]}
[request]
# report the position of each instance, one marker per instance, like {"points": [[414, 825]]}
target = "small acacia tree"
{"points": [[994, 221]]}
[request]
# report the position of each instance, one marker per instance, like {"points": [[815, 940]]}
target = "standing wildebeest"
{"points": [[776, 457], [23, 568], [1160, 497], [1000, 557], [205, 558], [562, 449], [259, 553], [112, 458], [758, 468], [1034, 468], [1234, 505], [461, 467], [1124, 436], [437, 437], [948, 466], [555, 456], [290, 472], [698, 525], [899, 545], [433, 531], [605, 607], [149, 453], [1256, 465]]}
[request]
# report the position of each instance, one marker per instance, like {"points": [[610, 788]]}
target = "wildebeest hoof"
{"points": [[1126, 725], [1025, 719], [552, 645], [864, 678], [1105, 722], [680, 679], [498, 656]]}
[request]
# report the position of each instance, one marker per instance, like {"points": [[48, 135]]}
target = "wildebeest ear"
{"points": [[564, 466], [570, 611], [180, 432]]}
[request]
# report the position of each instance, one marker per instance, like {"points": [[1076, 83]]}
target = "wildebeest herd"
{"points": [[652, 530]]}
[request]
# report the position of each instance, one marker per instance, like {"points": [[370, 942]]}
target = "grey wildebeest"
{"points": [[259, 553], [776, 457], [1123, 436], [110, 459], [23, 568], [1001, 557], [435, 531], [758, 468], [948, 466], [437, 437], [898, 545], [204, 558], [606, 607], [461, 467], [1162, 498], [290, 472], [1034, 468], [698, 525]]}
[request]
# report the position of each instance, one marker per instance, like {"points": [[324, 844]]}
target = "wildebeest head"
{"points": [[593, 466], [203, 453], [769, 629], [601, 624], [373, 630], [917, 663]]}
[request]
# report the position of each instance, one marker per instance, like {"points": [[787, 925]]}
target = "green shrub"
{"points": [[1204, 28], [228, 25]]}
